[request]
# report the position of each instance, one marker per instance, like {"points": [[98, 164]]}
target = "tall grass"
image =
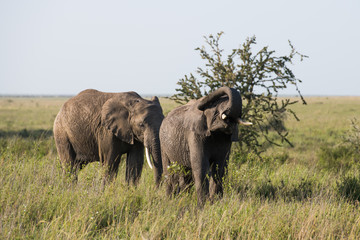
{"points": [[289, 193]]}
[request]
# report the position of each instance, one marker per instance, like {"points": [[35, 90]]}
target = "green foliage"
{"points": [[349, 187], [335, 158], [299, 191], [257, 76], [256, 176], [344, 155], [178, 169], [18, 146], [266, 190], [352, 137]]}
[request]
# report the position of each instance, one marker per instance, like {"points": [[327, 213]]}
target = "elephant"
{"points": [[197, 137], [98, 126]]}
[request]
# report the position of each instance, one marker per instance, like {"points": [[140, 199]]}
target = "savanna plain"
{"points": [[309, 191]]}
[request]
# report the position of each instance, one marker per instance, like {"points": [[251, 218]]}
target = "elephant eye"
{"points": [[141, 125]]}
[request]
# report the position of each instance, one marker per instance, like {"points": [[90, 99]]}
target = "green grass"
{"points": [[310, 191]]}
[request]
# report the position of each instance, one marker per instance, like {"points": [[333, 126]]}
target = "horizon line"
{"points": [[160, 95]]}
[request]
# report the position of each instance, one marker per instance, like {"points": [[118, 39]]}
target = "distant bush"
{"points": [[289, 192], [17, 146], [266, 189], [349, 187], [299, 191], [345, 155], [276, 122], [27, 133], [335, 158], [250, 174], [352, 136]]}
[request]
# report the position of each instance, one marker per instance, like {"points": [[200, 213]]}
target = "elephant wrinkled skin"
{"points": [[98, 126], [198, 136]]}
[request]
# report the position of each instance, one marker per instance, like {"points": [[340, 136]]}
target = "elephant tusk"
{"points": [[223, 116], [148, 157], [242, 122]]}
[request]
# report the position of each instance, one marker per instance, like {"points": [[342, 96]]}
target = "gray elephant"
{"points": [[197, 137], [98, 126]]}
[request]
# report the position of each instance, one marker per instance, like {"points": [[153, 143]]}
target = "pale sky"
{"points": [[65, 46]]}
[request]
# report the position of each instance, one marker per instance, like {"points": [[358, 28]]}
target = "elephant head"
{"points": [[221, 112], [132, 118]]}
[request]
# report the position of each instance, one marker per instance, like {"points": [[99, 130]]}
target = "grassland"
{"points": [[311, 191]]}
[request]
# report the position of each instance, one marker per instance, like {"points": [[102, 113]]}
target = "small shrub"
{"points": [[281, 157], [243, 169], [344, 156], [352, 136], [276, 122], [300, 191], [17, 146], [349, 188], [176, 168], [239, 157], [266, 190], [335, 158]]}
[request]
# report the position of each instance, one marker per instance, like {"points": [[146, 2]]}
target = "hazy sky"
{"points": [[65, 46]]}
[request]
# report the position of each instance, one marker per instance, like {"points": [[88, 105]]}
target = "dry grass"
{"points": [[285, 195]]}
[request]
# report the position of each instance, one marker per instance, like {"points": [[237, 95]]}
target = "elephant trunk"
{"points": [[152, 147], [234, 105]]}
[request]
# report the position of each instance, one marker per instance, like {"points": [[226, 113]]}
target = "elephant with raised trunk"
{"points": [[198, 136], [99, 126]]}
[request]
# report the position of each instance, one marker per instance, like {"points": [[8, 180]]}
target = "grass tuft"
{"points": [[349, 188]]}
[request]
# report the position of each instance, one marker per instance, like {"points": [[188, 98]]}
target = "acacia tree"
{"points": [[257, 76]]}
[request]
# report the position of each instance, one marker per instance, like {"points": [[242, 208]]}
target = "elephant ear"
{"points": [[116, 118], [196, 122], [155, 100]]}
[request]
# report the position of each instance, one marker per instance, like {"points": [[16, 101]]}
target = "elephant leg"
{"points": [[173, 184], [182, 183], [168, 177], [185, 183], [110, 157], [218, 169], [134, 163], [200, 168], [111, 166], [67, 156], [185, 180]]}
